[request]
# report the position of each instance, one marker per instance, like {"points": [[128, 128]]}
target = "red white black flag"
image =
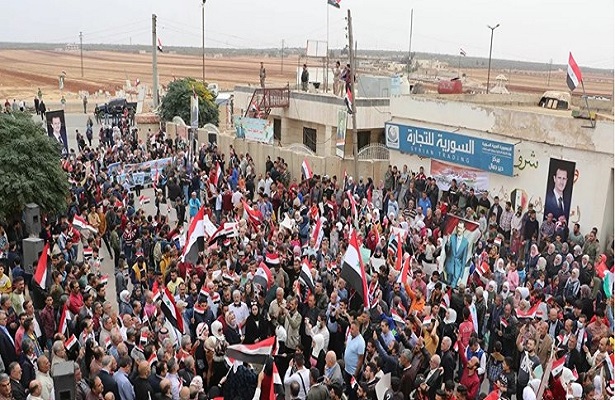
{"points": [[574, 76]]}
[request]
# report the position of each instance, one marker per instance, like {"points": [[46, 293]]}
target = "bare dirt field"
{"points": [[22, 72]]}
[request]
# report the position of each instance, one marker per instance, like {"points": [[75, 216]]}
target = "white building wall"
{"points": [[538, 137]]}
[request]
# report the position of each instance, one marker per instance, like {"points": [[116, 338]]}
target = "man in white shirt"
{"points": [[296, 372], [240, 309]]}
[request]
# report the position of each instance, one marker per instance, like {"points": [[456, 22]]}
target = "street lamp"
{"points": [[203, 13], [493, 28]]}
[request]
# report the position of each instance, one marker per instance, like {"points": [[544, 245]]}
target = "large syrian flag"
{"points": [[574, 76], [195, 231], [170, 310], [256, 353], [353, 270], [353, 203], [40, 275], [305, 275]]}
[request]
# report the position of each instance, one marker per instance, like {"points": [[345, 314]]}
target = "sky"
{"points": [[530, 30]]}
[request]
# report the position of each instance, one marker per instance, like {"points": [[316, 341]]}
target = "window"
{"points": [[363, 138], [277, 129], [309, 138]]}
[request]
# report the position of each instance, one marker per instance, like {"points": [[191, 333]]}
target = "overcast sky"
{"points": [[531, 30]]}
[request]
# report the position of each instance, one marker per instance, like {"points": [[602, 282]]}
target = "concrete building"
{"points": [[513, 149], [312, 120]]}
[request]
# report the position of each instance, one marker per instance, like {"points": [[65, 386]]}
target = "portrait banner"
{"points": [[255, 129], [56, 129], [342, 117], [444, 173], [459, 237], [559, 188]]}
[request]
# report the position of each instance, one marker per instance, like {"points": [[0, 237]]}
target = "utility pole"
{"points": [[549, 74], [493, 28], [351, 49], [81, 50], [282, 58], [203, 21], [410, 45], [154, 62]]}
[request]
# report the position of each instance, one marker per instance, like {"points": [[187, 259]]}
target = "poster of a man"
{"points": [[559, 188], [459, 236], [56, 129]]}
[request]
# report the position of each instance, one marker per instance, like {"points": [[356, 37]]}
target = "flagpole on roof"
{"points": [[352, 51], [589, 113], [154, 63]]}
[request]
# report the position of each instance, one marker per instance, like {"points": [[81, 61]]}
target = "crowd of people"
{"points": [[537, 308]]}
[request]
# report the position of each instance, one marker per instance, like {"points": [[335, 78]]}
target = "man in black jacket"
{"points": [[14, 370], [105, 375], [142, 386], [448, 360]]}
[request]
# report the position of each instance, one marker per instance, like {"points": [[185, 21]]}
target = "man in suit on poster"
{"points": [[57, 129], [557, 199], [456, 255]]}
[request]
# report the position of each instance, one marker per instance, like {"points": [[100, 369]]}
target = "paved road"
{"points": [[78, 122]]}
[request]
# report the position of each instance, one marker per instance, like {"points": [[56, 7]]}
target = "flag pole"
{"points": [[326, 77], [589, 114]]}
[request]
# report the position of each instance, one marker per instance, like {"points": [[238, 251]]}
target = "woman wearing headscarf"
{"points": [[572, 286], [256, 325], [317, 356], [232, 333], [532, 260], [512, 277]]}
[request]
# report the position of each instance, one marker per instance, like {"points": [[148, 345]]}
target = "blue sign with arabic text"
{"points": [[486, 155]]}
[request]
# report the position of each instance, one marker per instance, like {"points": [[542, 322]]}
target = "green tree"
{"points": [[177, 102], [30, 168]]}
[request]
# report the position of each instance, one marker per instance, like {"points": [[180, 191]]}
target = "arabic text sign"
{"points": [[487, 155], [256, 129]]}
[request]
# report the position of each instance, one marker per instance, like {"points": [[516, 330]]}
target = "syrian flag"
{"points": [[143, 199], [40, 276], [199, 309], [254, 215], [272, 259], [558, 366], [334, 3], [318, 233], [152, 359], [306, 170], [462, 52], [159, 47], [427, 320], [348, 99], [64, 318], [405, 271], [143, 338], [87, 253], [305, 275], [483, 268], [393, 243], [170, 310], [353, 270], [81, 223], [610, 362], [195, 231], [214, 177], [70, 342], [529, 313], [256, 353], [263, 277], [108, 342], [504, 322], [446, 298], [156, 295], [104, 279], [574, 76]]}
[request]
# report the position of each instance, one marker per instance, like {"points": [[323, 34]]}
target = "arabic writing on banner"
{"points": [[256, 129], [486, 155], [142, 174]]}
